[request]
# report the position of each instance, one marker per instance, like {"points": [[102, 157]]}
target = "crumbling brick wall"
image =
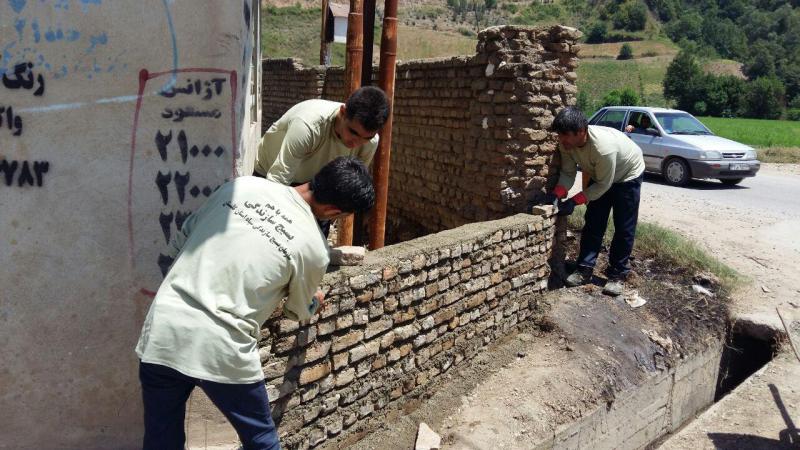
{"points": [[410, 313], [470, 135]]}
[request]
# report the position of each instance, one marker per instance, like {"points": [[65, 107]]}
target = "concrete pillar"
{"points": [[118, 120]]}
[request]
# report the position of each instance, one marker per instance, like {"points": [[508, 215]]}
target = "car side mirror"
{"points": [[652, 132]]}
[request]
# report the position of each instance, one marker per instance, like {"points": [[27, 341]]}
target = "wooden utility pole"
{"points": [[386, 72], [352, 77]]}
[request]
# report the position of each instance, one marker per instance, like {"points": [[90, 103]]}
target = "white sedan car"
{"points": [[678, 146]]}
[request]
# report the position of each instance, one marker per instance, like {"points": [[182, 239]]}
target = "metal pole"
{"points": [[386, 73], [369, 39], [352, 77]]}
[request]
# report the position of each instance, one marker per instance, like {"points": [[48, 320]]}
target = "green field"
{"points": [[777, 141], [599, 76]]}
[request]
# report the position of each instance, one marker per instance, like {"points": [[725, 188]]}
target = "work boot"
{"points": [[579, 277], [613, 287]]}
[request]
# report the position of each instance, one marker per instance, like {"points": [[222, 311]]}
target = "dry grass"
{"points": [[785, 155], [671, 249], [611, 50], [416, 43]]}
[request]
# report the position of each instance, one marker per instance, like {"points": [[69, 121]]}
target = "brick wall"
{"points": [[410, 313], [470, 139]]}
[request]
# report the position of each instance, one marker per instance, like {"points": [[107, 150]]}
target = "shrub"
{"points": [[764, 98], [625, 97], [625, 52], [597, 33]]}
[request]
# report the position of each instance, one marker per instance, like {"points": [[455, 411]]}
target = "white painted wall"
{"points": [[82, 216], [340, 29]]}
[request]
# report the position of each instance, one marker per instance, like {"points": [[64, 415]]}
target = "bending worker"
{"points": [[615, 167], [251, 244], [314, 132]]}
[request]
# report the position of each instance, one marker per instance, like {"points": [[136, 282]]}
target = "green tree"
{"points": [[597, 33], [764, 98], [678, 81], [665, 9], [761, 62], [625, 52], [637, 16], [689, 26]]}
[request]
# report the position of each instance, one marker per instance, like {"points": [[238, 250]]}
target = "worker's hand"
{"points": [[550, 198], [566, 207], [629, 129], [320, 296]]}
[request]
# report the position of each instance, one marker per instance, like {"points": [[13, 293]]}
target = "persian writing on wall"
{"points": [[183, 148], [20, 80]]}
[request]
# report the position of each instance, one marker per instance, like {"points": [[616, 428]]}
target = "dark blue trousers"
{"points": [[623, 198], [165, 392]]}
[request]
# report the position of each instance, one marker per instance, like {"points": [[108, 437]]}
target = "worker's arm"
{"points": [[304, 300], [297, 144], [566, 178]]}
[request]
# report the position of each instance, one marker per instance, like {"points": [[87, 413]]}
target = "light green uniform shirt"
{"points": [[303, 141], [608, 157], [253, 243]]}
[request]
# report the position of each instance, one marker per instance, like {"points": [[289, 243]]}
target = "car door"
{"points": [[648, 138]]}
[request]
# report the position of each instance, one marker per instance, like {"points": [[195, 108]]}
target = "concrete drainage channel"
{"points": [[598, 375], [647, 415]]}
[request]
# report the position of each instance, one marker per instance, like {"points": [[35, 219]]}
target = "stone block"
{"points": [[315, 372], [348, 340], [347, 255]]}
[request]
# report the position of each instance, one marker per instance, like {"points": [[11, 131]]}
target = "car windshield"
{"points": [[681, 123]]}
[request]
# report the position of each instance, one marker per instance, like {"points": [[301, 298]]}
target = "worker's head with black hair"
{"points": [[572, 128], [362, 116], [342, 187]]}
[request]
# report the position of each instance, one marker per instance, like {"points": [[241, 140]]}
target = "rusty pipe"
{"points": [[386, 74], [352, 77]]}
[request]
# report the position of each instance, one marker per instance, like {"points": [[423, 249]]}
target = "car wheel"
{"points": [[676, 172], [731, 181]]}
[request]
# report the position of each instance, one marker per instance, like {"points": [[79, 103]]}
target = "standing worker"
{"points": [[314, 132], [251, 244], [615, 168]]}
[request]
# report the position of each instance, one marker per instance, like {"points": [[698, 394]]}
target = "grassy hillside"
{"points": [[294, 32]]}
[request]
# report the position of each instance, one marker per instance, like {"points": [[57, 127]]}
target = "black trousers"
{"points": [[623, 198]]}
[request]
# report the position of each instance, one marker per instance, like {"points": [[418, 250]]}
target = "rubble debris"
{"points": [[427, 439], [633, 299], [701, 290], [663, 342]]}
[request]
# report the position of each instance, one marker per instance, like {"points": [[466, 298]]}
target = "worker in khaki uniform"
{"points": [[615, 167], [314, 132], [253, 243]]}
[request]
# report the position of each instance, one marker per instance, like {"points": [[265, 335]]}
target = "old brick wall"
{"points": [[285, 83], [410, 313], [470, 136]]}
